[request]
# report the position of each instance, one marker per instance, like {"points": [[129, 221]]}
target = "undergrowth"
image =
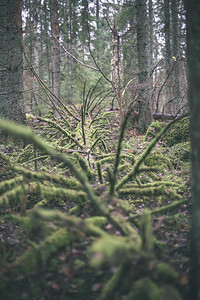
{"points": [[84, 208]]}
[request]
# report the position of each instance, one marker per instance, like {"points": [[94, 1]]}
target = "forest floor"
{"points": [[67, 272]]}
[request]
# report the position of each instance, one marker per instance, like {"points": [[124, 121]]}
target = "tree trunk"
{"points": [[167, 30], [56, 48], [175, 48], [47, 42], [151, 34], [193, 56], [152, 54], [69, 41], [35, 59], [116, 67], [144, 105], [11, 61]]}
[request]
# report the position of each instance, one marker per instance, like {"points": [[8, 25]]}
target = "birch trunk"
{"points": [[116, 67]]}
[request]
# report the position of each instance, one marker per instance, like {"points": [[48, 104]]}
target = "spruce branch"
{"points": [[117, 157]]}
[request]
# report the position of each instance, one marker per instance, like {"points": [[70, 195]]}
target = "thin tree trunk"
{"points": [[34, 57], [167, 28], [116, 67], [70, 48], [47, 43], [56, 48], [175, 48]]}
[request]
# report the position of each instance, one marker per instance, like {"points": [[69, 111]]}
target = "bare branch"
{"points": [[157, 101], [76, 59], [126, 87], [96, 64]]}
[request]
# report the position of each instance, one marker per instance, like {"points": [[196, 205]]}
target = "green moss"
{"points": [[146, 232], [39, 255], [110, 159], [30, 224], [179, 132], [13, 197], [112, 249], [96, 142], [170, 292], [71, 182], [42, 203], [159, 248], [84, 165], [164, 209], [113, 284], [145, 289], [76, 210], [27, 154], [58, 195], [99, 172], [104, 155], [164, 272], [149, 191], [79, 264], [5, 160], [123, 204], [153, 184], [153, 129], [60, 129], [158, 159], [9, 184], [182, 151], [97, 221], [124, 167], [53, 243]]}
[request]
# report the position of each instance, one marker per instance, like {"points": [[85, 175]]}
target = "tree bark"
{"points": [[151, 34], [193, 57], [69, 41], [116, 67], [56, 48], [47, 42], [167, 30], [11, 61], [151, 50], [144, 105], [175, 48]]}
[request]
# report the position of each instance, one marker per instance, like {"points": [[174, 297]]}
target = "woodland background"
{"points": [[95, 176]]}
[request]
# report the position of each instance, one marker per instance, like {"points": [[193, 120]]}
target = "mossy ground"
{"points": [[178, 133], [66, 271]]}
